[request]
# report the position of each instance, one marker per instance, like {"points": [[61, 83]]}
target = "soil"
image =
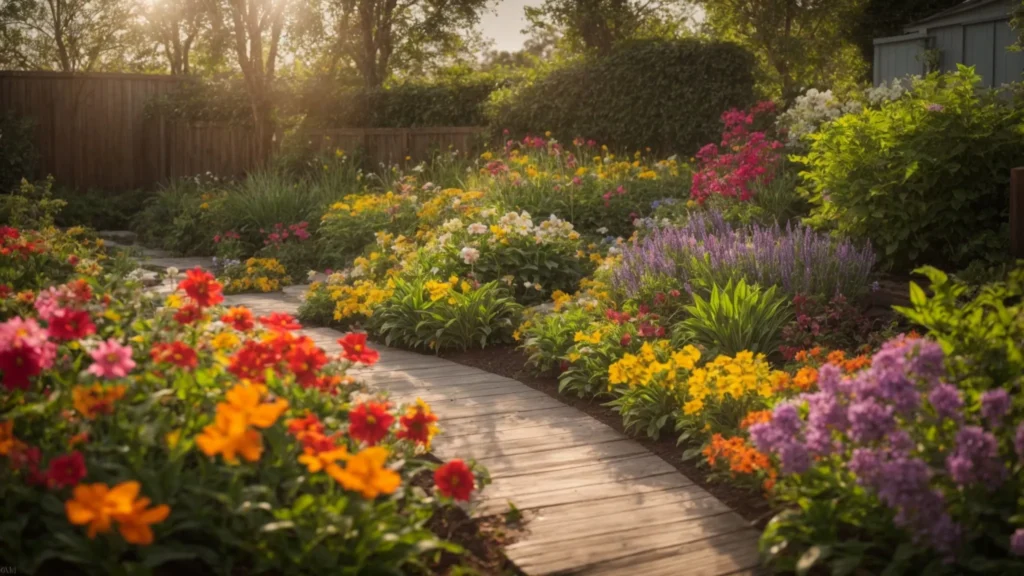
{"points": [[483, 539], [508, 362]]}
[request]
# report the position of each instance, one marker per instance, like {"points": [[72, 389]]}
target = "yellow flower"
{"points": [[365, 473], [172, 438], [692, 407], [225, 341]]}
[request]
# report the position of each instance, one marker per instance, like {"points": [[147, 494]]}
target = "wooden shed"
{"points": [[976, 33]]}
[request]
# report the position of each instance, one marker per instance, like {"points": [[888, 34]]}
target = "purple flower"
{"points": [[936, 107], [946, 401], [995, 404], [1018, 441], [794, 457], [976, 458], [1017, 542], [870, 421], [829, 378]]}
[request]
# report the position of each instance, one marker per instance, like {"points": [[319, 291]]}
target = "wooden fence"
{"points": [[91, 131], [1017, 213]]}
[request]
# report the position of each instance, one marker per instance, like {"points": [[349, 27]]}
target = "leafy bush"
{"points": [[924, 177], [737, 318], [178, 218], [351, 224], [445, 315], [547, 338], [663, 94], [708, 251], [101, 209], [896, 470], [18, 155], [982, 336], [647, 385]]}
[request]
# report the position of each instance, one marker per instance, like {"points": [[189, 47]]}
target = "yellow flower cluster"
{"points": [[450, 202], [356, 204], [261, 275], [725, 377], [439, 290], [645, 367], [358, 299]]}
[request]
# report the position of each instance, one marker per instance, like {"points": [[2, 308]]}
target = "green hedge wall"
{"points": [[664, 94], [401, 106]]}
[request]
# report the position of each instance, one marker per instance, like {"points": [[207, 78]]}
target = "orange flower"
{"points": [[741, 457], [91, 401], [80, 438], [815, 352], [756, 417], [316, 461], [856, 363], [806, 378], [96, 505], [780, 381], [801, 356], [202, 288], [365, 473], [8, 443], [836, 357], [231, 434]]}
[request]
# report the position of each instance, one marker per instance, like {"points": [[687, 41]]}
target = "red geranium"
{"points": [[418, 424], [305, 359], [252, 361], [280, 321], [239, 317], [177, 353], [188, 314], [66, 471], [370, 422], [454, 480], [354, 349], [202, 288], [70, 324]]}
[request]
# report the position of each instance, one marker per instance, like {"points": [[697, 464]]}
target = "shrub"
{"points": [[445, 315], [648, 385], [101, 209], [178, 218], [895, 470], [665, 94], [737, 318], [18, 155], [351, 224], [982, 336], [547, 337], [292, 246], [836, 324], [708, 251], [924, 177]]}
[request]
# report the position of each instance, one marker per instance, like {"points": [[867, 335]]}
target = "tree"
{"points": [[255, 31], [177, 27], [66, 35], [596, 26], [377, 37], [800, 43]]}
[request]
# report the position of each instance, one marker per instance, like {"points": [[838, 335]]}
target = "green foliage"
{"points": [[737, 318], [982, 335], [351, 224], [592, 352], [32, 205], [101, 209], [317, 307], [777, 201], [924, 177], [547, 337], [458, 102], [429, 315], [18, 155], [647, 409], [667, 95], [174, 219]]}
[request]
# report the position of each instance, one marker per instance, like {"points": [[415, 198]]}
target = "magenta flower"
{"points": [[111, 360]]}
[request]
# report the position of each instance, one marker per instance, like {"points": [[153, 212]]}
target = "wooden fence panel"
{"points": [[91, 131]]}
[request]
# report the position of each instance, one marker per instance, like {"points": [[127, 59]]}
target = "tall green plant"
{"points": [[737, 318]]}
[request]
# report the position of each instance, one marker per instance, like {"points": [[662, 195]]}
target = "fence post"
{"points": [[1017, 212]]}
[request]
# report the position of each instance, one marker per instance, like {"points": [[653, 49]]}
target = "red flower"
{"points": [[239, 317], [370, 422], [18, 366], [305, 359], [81, 290], [625, 340], [252, 360], [418, 424], [455, 480], [354, 349], [280, 321], [5, 291], [202, 288], [177, 353], [70, 324], [27, 458], [188, 314], [66, 471]]}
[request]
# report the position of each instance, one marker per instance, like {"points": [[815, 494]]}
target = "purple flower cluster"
{"points": [[877, 422], [708, 249]]}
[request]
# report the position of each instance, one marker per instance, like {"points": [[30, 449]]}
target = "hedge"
{"points": [[664, 94], [400, 106]]}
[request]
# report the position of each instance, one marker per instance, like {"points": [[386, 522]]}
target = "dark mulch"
{"points": [[483, 539], [510, 363]]}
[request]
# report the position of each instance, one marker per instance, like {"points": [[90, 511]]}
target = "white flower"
{"points": [[477, 228], [487, 213], [452, 225], [172, 272], [310, 275], [358, 271], [602, 230], [428, 185], [527, 284], [444, 238], [469, 255]]}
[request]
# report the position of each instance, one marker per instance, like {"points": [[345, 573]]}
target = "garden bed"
{"points": [[509, 362]]}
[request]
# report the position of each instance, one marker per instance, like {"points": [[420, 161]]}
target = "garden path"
{"points": [[596, 502]]}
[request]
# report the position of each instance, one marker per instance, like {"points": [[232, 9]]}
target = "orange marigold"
{"points": [[856, 363], [836, 357], [806, 378], [756, 417]]}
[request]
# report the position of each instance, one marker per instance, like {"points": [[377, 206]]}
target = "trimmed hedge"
{"points": [[668, 95], [401, 106]]}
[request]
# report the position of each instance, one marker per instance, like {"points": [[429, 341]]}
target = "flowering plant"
{"points": [[350, 225], [743, 158], [905, 466], [256, 275]]}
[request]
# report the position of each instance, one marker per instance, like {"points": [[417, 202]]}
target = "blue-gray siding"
{"points": [[898, 59]]}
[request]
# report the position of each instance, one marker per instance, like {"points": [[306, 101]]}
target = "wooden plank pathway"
{"points": [[596, 501]]}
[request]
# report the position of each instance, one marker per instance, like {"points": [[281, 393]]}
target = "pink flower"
{"points": [[21, 333], [111, 360]]}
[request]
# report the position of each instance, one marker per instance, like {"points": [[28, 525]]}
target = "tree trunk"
{"points": [[263, 128]]}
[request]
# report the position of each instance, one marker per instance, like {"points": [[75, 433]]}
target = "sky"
{"points": [[504, 24]]}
